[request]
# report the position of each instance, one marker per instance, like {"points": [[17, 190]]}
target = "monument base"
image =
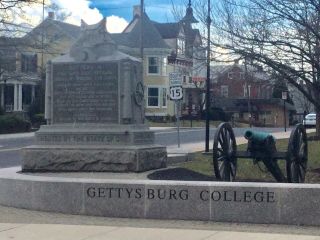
{"points": [[93, 158], [94, 148]]}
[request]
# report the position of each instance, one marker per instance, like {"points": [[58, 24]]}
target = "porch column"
{"points": [[15, 97], [2, 97], [19, 97], [33, 93]]}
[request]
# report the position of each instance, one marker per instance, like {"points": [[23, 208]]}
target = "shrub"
{"points": [[13, 124], [38, 119]]}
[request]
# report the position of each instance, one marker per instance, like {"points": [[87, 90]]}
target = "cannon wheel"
{"points": [[297, 155], [224, 153]]}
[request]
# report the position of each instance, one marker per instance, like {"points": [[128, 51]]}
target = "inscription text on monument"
{"points": [[85, 93]]}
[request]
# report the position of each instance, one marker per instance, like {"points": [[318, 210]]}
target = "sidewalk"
{"points": [[200, 146], [81, 232], [19, 224]]}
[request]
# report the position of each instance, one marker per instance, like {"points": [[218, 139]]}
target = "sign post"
{"points": [[176, 95], [284, 98]]}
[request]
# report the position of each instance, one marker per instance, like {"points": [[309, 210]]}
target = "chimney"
{"points": [[51, 15], [136, 10]]}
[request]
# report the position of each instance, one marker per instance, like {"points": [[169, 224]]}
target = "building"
{"points": [[245, 92], [167, 47], [22, 62]]}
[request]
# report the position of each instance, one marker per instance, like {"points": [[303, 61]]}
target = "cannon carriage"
{"points": [[261, 148]]}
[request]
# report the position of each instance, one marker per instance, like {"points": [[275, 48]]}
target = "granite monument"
{"points": [[95, 111]]}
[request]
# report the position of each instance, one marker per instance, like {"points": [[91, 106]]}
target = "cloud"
{"points": [[75, 10], [79, 9], [116, 24]]}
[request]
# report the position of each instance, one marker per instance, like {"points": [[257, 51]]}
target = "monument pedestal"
{"points": [[95, 111], [97, 148]]}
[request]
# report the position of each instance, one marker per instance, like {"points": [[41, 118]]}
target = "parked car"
{"points": [[309, 120]]}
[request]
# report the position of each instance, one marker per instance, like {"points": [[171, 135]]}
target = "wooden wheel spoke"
{"points": [[224, 149], [297, 155]]}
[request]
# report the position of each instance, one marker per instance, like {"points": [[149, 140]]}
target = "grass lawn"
{"points": [[247, 171]]}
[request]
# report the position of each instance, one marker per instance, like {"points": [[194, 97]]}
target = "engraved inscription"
{"points": [[83, 139], [184, 195], [85, 93]]}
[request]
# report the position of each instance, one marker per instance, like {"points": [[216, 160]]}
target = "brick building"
{"points": [[243, 92]]}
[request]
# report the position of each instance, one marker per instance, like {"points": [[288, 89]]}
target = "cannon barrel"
{"points": [[258, 136]]}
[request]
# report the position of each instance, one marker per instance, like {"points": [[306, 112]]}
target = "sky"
{"points": [[118, 12]]}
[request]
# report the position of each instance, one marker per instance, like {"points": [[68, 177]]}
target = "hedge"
{"points": [[13, 124]]}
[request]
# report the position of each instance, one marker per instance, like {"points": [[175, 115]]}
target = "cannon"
{"points": [[261, 148]]}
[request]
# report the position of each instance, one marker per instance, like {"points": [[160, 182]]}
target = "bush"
{"points": [[38, 119], [217, 114], [35, 113], [13, 124]]}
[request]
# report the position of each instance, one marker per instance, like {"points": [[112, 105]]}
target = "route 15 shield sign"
{"points": [[176, 93]]}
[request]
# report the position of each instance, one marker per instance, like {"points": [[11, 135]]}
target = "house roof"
{"points": [[217, 70], [168, 30], [151, 36], [70, 30]]}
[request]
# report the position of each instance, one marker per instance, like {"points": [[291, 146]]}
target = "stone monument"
{"points": [[95, 112]]}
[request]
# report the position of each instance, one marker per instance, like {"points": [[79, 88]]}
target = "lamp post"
{"points": [[284, 98], [208, 82]]}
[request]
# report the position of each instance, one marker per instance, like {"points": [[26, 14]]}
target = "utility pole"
{"points": [[208, 82], [141, 45], [248, 91], [284, 98]]}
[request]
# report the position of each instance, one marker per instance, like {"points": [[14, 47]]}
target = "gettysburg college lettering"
{"points": [[181, 195]]}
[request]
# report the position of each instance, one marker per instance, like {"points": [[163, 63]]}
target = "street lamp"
{"points": [[284, 98], [208, 82]]}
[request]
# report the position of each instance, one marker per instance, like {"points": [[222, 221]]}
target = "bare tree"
{"points": [[10, 11], [281, 35]]}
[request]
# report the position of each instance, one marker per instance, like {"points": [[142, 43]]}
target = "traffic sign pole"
{"points": [[178, 121], [176, 94]]}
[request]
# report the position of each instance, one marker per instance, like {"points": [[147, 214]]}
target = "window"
{"points": [[153, 65], [157, 96], [184, 79], [224, 91], [242, 75], [28, 62], [164, 66], [164, 97], [180, 46], [230, 75], [245, 90], [190, 79], [153, 97]]}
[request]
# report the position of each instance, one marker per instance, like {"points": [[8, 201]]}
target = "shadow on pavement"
{"points": [[181, 174]]}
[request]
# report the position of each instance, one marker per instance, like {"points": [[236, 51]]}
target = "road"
{"points": [[10, 154]]}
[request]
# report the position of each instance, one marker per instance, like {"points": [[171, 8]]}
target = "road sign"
{"points": [[176, 93], [175, 79], [284, 95]]}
